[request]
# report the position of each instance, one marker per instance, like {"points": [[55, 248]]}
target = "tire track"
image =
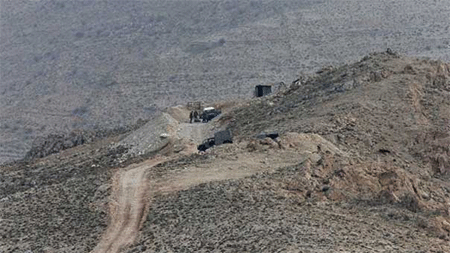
{"points": [[128, 207]]}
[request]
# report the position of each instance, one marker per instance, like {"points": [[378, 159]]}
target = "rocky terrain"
{"points": [[85, 65], [361, 165]]}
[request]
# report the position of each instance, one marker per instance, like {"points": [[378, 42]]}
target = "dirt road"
{"points": [[195, 132], [131, 194], [132, 191], [134, 186], [130, 201]]}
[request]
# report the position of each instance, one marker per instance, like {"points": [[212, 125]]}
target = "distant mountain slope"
{"points": [[81, 64]]}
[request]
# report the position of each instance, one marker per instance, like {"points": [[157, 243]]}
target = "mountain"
{"points": [[91, 64], [360, 164]]}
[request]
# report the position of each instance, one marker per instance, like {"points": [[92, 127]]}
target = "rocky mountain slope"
{"points": [[81, 65], [361, 165], [382, 106]]}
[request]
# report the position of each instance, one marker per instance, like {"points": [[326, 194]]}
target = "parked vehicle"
{"points": [[209, 113], [206, 144], [219, 138]]}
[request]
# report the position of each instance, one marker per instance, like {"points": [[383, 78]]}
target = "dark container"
{"points": [[263, 90], [223, 137]]}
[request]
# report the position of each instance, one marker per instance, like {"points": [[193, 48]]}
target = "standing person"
{"points": [[191, 115], [195, 116]]}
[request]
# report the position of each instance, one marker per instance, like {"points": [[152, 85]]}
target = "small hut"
{"points": [[263, 90]]}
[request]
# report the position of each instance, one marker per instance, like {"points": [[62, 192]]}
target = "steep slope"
{"points": [[80, 64], [391, 113], [383, 186], [383, 103]]}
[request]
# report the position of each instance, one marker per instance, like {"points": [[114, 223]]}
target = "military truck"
{"points": [[219, 138], [206, 144]]}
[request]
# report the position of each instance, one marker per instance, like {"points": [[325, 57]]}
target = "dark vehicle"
{"points": [[219, 138], [209, 113], [272, 135], [206, 144]]}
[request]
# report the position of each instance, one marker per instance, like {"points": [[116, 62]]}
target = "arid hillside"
{"points": [[361, 165], [384, 105], [87, 65]]}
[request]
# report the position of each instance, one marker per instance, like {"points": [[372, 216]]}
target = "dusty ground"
{"points": [[233, 216], [128, 205], [286, 210], [365, 171]]}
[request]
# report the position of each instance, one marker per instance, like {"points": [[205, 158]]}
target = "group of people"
{"points": [[194, 116]]}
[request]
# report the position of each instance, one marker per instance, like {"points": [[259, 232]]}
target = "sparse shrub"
{"points": [[106, 80], [422, 223], [221, 41], [79, 35], [410, 202], [80, 111], [37, 58]]}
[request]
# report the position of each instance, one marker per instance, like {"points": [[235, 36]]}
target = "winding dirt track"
{"points": [[131, 195], [133, 190], [128, 207]]}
